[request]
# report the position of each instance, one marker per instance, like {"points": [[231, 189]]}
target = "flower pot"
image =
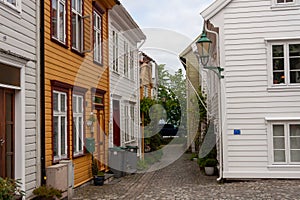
{"points": [[98, 180], [209, 171]]}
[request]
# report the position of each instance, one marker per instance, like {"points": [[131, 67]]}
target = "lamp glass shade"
{"points": [[203, 47]]}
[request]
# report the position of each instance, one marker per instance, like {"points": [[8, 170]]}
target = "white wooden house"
{"points": [[19, 92], [124, 36], [259, 49]]}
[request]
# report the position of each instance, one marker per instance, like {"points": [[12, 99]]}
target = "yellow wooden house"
{"points": [[75, 70]]}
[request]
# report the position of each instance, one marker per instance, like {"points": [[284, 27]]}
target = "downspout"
{"points": [[42, 92], [219, 109]]}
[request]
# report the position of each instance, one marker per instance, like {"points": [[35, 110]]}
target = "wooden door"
{"points": [[7, 133], [101, 138], [116, 123]]}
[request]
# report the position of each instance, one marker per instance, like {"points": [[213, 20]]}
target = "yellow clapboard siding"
{"points": [[63, 65]]}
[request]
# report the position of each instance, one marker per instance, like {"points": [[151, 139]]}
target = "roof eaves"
{"points": [[214, 8]]}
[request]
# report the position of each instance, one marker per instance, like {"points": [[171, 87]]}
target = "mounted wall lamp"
{"points": [[203, 48]]}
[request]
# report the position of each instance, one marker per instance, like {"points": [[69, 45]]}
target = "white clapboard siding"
{"points": [[248, 99], [20, 30]]}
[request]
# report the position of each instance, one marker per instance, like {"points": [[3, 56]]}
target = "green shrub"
{"points": [[201, 162], [194, 155], [95, 168], [9, 188], [47, 192], [210, 162]]}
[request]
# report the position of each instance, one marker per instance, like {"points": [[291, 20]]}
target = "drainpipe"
{"points": [[219, 109], [42, 92]]}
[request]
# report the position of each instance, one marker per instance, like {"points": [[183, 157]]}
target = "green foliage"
{"points": [[9, 188], [145, 106], [201, 162], [210, 162], [100, 173], [47, 192], [194, 155]]}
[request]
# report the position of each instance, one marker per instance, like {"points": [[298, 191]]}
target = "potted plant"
{"points": [[98, 175], [10, 189], [47, 193], [209, 166]]}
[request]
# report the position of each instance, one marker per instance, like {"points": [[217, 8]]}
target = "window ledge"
{"points": [[11, 9], [283, 166], [98, 63], [78, 155], [59, 43], [130, 141], [77, 52], [115, 72], [285, 7], [284, 88]]}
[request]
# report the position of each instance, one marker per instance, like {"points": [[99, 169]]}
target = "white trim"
{"points": [[97, 32], [16, 7], [214, 8], [63, 40], [282, 118], [77, 114], [10, 87]]}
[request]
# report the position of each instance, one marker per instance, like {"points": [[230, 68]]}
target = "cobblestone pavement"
{"points": [[183, 180]]}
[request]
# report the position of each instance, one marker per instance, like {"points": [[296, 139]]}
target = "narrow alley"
{"points": [[182, 179]]}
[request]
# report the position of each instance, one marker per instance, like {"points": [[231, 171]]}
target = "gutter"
{"points": [[42, 93], [220, 178]]}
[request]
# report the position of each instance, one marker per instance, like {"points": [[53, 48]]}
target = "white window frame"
{"points": [[132, 121], [97, 37], [126, 60], [131, 64], [60, 114], [287, 148], [126, 124], [77, 10], [63, 39], [16, 7], [286, 62], [146, 91], [284, 3], [78, 118], [115, 57]]}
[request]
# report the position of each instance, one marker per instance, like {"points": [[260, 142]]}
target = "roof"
{"points": [[214, 8]]}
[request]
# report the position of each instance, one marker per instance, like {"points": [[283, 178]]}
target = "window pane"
{"points": [[63, 135], [62, 102], [74, 28], [294, 130], [13, 2], [80, 133], [294, 63], [294, 49], [295, 155], [280, 1], [279, 156], [79, 104], [54, 18], [295, 77], [74, 104], [278, 130], [73, 4], [74, 134], [14, 75], [55, 136], [278, 143], [295, 142], [79, 30], [278, 77], [278, 64], [61, 22], [277, 51], [55, 101]]}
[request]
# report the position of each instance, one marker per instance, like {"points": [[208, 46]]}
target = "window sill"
{"points": [[56, 160], [115, 72], [283, 88], [130, 141], [283, 166], [79, 155], [59, 43], [11, 9], [77, 52], [98, 63], [285, 7]]}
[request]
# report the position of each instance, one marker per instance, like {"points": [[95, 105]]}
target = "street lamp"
{"points": [[203, 48]]}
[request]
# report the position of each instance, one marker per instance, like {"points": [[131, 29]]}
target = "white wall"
{"points": [[247, 95]]}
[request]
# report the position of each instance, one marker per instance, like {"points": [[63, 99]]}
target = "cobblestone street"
{"points": [[183, 180]]}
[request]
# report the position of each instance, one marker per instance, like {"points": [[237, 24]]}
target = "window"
{"points": [[132, 122], [115, 52], [97, 37], [286, 63], [13, 3], [60, 147], [58, 20], [145, 91], [126, 59], [77, 25], [78, 136], [284, 1], [131, 64], [126, 124], [286, 143]]}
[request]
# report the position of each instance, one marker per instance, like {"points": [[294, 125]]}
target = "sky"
{"points": [[169, 25]]}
